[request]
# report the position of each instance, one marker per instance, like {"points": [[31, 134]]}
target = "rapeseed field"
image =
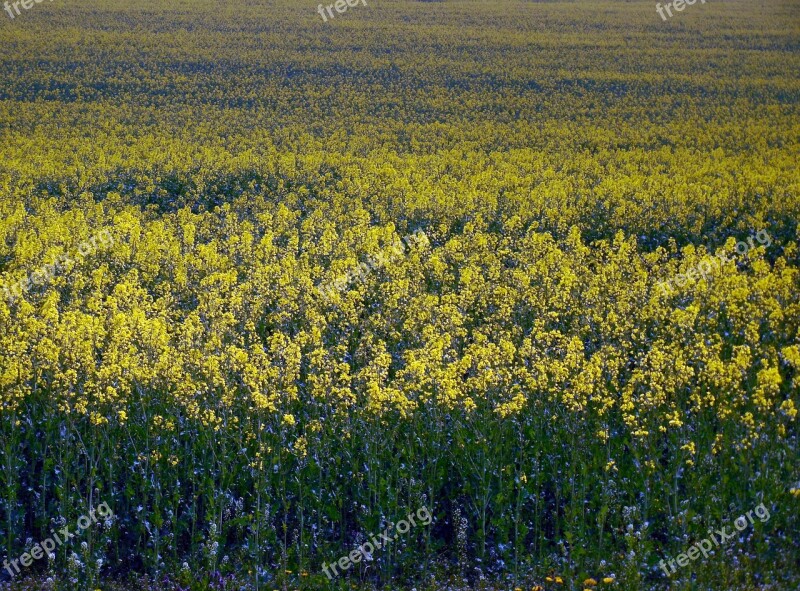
{"points": [[420, 295]]}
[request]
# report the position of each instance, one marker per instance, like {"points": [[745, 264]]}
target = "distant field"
{"points": [[271, 283]]}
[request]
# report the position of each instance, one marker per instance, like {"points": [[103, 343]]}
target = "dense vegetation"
{"points": [[518, 372]]}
